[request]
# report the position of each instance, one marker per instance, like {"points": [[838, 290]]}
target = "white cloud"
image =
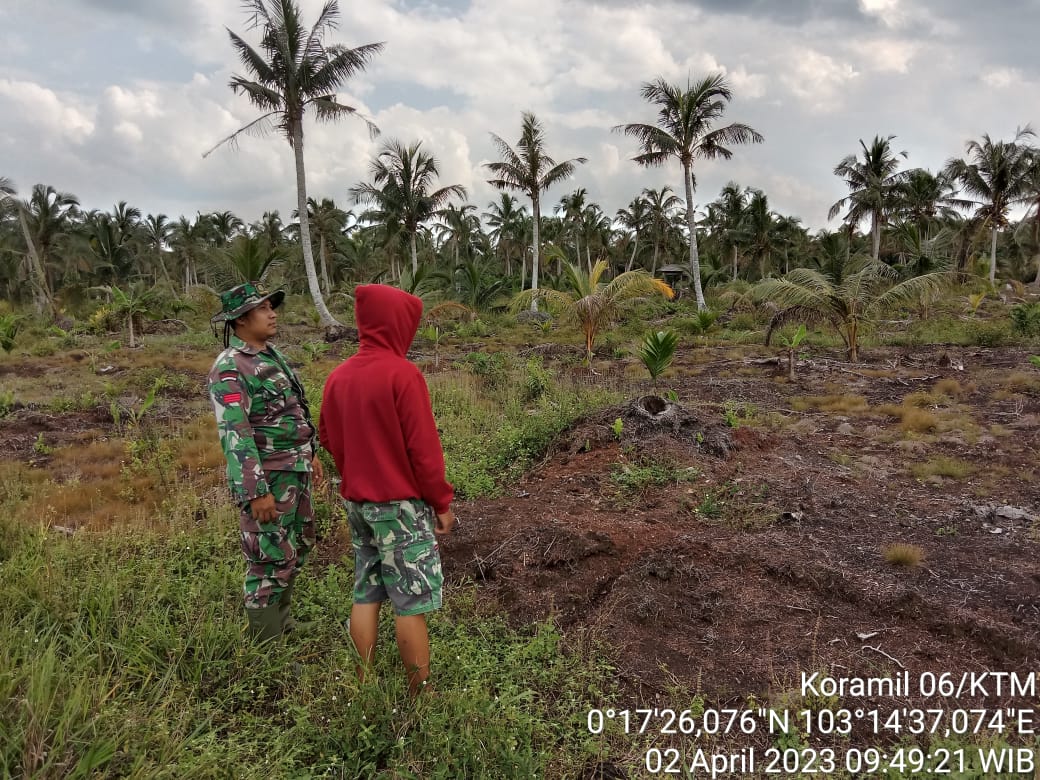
{"points": [[1002, 78], [886, 55], [818, 80], [889, 12], [102, 126], [33, 105]]}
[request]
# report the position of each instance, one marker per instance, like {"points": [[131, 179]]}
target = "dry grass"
{"points": [[926, 400], [950, 388], [834, 404], [905, 555], [911, 418], [1021, 382], [941, 466]]}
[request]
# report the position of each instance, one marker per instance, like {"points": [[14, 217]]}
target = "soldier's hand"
{"points": [[318, 470], [445, 522], [263, 508]]}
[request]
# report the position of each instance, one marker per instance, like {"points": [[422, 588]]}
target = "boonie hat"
{"points": [[238, 300]]}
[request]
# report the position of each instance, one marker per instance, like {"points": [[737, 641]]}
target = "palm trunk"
{"points": [[324, 314], [323, 254], [536, 208], [130, 320], [415, 255], [166, 273], [734, 262], [993, 257], [632, 259], [875, 234], [695, 261], [653, 263], [43, 294]]}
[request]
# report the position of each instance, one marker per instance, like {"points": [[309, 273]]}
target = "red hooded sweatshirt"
{"points": [[376, 419]]}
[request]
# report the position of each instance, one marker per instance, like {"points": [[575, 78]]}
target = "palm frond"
{"points": [[259, 126], [928, 287]]}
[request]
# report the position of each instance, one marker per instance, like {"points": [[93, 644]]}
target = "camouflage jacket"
{"points": [[262, 417]]}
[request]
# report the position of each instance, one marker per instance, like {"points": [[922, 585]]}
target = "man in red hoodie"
{"points": [[377, 422]]}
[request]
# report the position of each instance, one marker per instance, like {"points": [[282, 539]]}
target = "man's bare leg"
{"points": [[413, 643], [364, 631]]}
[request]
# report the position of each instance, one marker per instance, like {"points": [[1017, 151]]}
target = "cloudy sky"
{"points": [[118, 99]]}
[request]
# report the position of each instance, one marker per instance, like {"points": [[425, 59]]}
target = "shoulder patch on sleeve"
{"points": [[232, 398]]}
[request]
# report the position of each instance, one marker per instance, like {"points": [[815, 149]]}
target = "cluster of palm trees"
{"points": [[420, 233]]}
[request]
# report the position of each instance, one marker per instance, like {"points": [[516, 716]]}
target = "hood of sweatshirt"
{"points": [[387, 318]]}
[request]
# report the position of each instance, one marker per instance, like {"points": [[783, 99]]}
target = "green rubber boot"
{"points": [[265, 623], [287, 621]]}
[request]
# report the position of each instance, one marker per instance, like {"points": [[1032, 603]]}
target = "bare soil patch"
{"points": [[782, 570]]}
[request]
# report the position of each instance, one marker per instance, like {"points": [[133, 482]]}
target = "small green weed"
{"points": [[646, 473], [737, 413]]}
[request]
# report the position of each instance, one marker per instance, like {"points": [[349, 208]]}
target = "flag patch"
{"points": [[232, 398]]}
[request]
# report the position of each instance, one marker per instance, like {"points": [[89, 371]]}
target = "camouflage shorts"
{"points": [[276, 551], [395, 555]]}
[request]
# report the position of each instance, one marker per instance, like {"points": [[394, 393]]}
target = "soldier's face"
{"points": [[260, 323]]}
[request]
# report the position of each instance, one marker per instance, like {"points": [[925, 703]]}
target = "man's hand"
{"points": [[317, 469], [263, 508], [445, 522]]}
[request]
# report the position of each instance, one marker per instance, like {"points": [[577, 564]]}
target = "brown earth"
{"points": [[783, 572]]}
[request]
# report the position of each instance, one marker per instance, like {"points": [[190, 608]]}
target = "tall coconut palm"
{"points": [[508, 224], [635, 218], [190, 241], [296, 70], [596, 232], [460, 230], [873, 184], [927, 199], [46, 218], [661, 205], [686, 131], [762, 229], [995, 178], [571, 210], [402, 178], [327, 222], [730, 207], [156, 230], [529, 169], [226, 225], [592, 302], [1031, 221]]}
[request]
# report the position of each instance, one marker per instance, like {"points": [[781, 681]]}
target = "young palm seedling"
{"points": [[657, 352], [792, 344]]}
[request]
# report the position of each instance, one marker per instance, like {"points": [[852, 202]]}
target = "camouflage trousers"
{"points": [[395, 555], [276, 551]]}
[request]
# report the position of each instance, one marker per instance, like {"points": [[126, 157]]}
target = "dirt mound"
{"points": [[647, 418]]}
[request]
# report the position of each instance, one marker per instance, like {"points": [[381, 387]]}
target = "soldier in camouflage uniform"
{"points": [[269, 441]]}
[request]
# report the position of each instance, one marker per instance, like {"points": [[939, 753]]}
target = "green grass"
{"points": [[646, 473], [124, 655], [497, 420]]}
